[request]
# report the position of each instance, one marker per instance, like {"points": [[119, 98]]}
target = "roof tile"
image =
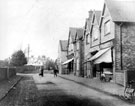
{"points": [[121, 11]]}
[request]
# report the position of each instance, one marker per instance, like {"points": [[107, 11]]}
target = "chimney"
{"points": [[90, 14]]}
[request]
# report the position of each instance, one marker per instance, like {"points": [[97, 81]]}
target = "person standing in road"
{"points": [[41, 71], [55, 71]]}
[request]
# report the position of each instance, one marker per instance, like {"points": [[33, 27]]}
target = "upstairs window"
{"points": [[107, 28], [87, 38], [95, 34], [70, 47]]}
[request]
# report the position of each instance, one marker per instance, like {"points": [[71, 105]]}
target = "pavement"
{"points": [[109, 88], [7, 85]]}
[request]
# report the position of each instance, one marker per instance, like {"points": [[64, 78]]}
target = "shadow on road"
{"points": [[46, 83], [66, 100]]}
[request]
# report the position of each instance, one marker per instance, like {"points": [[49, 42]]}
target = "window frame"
{"points": [[107, 28]]}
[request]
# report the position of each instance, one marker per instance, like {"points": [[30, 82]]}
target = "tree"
{"points": [[50, 64], [4, 63], [18, 58]]}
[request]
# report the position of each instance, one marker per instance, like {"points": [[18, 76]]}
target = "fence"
{"points": [[6, 73], [126, 76]]}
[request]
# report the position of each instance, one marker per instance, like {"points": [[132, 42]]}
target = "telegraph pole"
{"points": [[28, 51]]}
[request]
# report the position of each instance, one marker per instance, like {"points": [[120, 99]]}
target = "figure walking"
{"points": [[41, 71], [55, 71]]}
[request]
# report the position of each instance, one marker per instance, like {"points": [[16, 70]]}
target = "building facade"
{"points": [[94, 42], [71, 48], [79, 52], [117, 36], [86, 37], [62, 56], [108, 42]]}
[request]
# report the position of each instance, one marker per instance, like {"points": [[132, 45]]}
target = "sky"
{"points": [[40, 24]]}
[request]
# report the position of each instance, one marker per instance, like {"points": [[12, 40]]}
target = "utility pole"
{"points": [[28, 51]]}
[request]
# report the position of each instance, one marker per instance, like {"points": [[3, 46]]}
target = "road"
{"points": [[34, 90]]}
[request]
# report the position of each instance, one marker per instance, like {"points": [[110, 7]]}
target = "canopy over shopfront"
{"points": [[103, 55], [66, 62], [35, 64]]}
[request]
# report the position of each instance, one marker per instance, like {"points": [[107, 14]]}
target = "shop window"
{"points": [[107, 28]]}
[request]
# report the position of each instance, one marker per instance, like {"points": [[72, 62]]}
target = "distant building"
{"points": [[71, 46], [62, 56]]}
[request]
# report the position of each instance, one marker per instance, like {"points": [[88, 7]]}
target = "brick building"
{"points": [[71, 47], [117, 38], [94, 39], [86, 37], [108, 40], [62, 56], [79, 52]]}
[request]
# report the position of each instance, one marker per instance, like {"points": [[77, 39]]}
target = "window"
{"points": [[87, 39], [107, 28], [70, 47]]}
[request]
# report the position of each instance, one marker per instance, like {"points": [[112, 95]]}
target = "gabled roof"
{"points": [[72, 33], [98, 15], [95, 16], [79, 32], [88, 20], [63, 44], [121, 11]]}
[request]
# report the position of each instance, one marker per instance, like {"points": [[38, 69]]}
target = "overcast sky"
{"points": [[40, 23]]}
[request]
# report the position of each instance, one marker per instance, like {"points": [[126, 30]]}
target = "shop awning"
{"points": [[68, 61], [102, 56]]}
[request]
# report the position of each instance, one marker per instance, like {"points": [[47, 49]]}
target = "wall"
{"points": [[125, 60], [117, 48], [119, 78], [12, 72], [81, 57], [6, 73], [3, 73], [124, 48], [128, 46], [62, 58], [86, 49], [21, 69]]}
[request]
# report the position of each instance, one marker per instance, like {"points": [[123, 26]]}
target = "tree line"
{"points": [[19, 58]]}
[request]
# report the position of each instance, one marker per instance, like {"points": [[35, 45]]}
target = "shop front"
{"points": [[101, 63], [69, 64]]}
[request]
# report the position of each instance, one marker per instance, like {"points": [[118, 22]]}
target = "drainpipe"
{"points": [[99, 38], [121, 50]]}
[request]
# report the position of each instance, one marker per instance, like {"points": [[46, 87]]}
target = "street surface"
{"points": [[34, 90]]}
